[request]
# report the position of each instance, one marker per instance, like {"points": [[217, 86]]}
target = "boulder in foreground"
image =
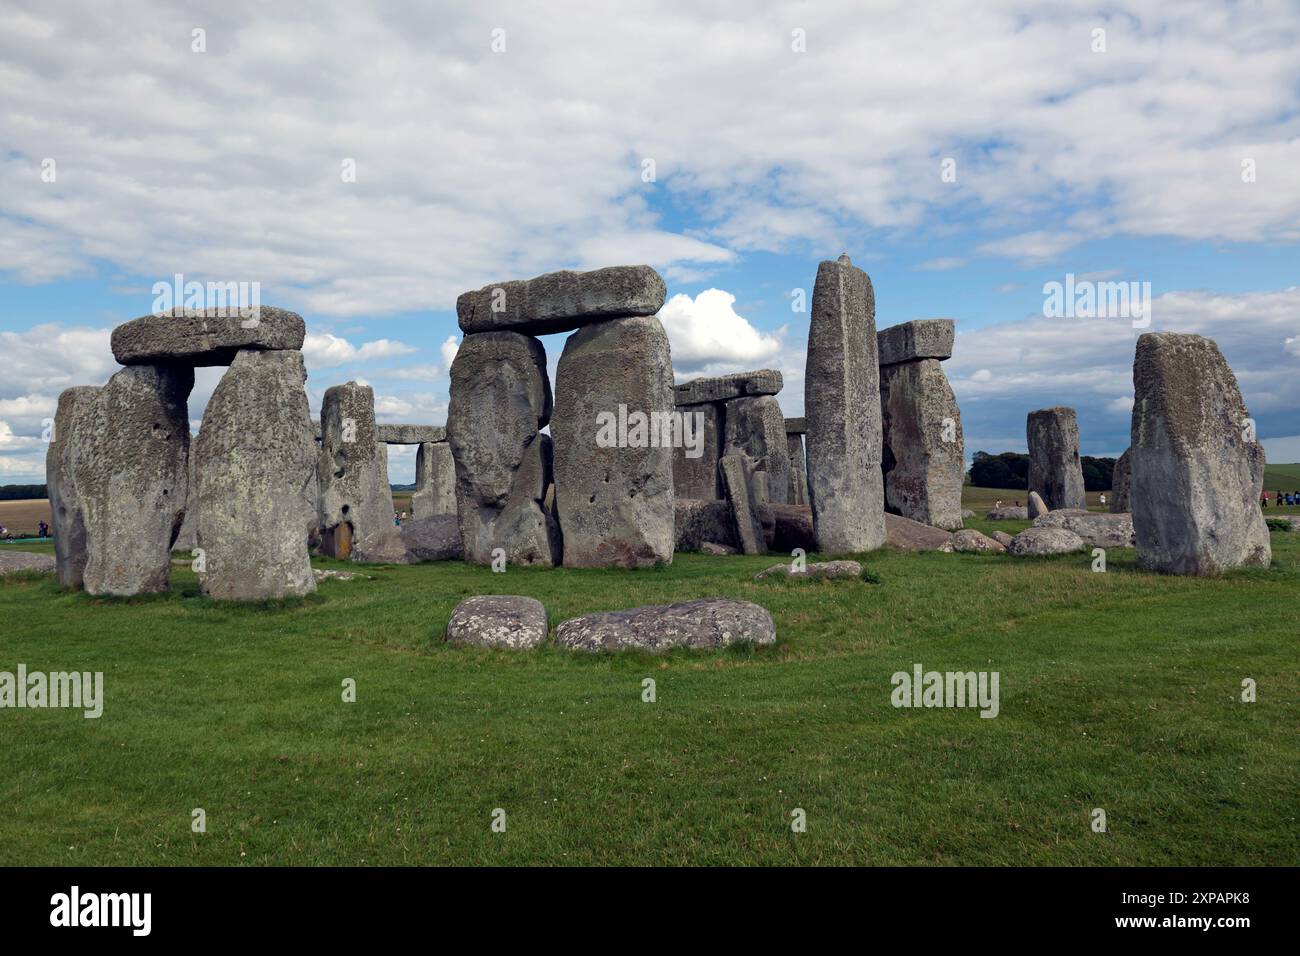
{"points": [[704, 624], [504, 621]]}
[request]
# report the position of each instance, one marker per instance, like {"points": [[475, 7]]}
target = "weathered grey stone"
{"points": [[918, 339], [798, 469], [1036, 506], [12, 561], [503, 621], [356, 501], [198, 337], [791, 527], [737, 472], [435, 538], [187, 539], [1002, 538], [697, 522], [704, 624], [969, 539], [967, 513], [1197, 470], [255, 464], [717, 550], [500, 397], [755, 428], [1096, 530], [129, 470], [796, 426], [435, 481], [562, 301], [1008, 513], [410, 434], [722, 388], [908, 535], [817, 571], [696, 475], [67, 522], [1055, 470], [841, 398], [1119, 485], [615, 503], [923, 454], [1038, 542]]}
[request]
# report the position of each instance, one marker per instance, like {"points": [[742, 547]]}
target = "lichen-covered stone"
{"points": [[798, 468], [696, 475], [1097, 530], [915, 340], [205, 337], [704, 624], [737, 474], [968, 539], [1119, 485], [509, 622], [923, 455], [67, 522], [816, 571], [410, 434], [1055, 469], [562, 301], [435, 481], [721, 388], [1039, 542], [356, 500], [755, 428]]}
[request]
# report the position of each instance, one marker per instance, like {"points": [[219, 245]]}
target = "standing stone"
{"points": [[500, 397], [737, 478], [924, 450], [356, 501], [798, 470], [435, 481], [1036, 505], [755, 428], [255, 463], [187, 539], [66, 519], [696, 475], [1197, 469], [129, 471], [615, 503], [1055, 471], [1119, 485], [842, 398]]}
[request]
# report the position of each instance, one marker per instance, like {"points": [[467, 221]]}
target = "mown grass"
{"points": [[1118, 690]]}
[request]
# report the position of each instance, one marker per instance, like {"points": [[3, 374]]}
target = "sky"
{"points": [[365, 166]]}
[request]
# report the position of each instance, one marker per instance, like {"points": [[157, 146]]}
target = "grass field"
{"points": [[1119, 691]]}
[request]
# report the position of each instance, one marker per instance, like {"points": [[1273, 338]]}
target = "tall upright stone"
{"points": [[1055, 470], [695, 464], [1197, 468], [842, 402], [798, 468], [67, 521], [615, 498], [924, 450], [756, 428], [1119, 484], [129, 465], [500, 397], [255, 464], [435, 481], [356, 501]]}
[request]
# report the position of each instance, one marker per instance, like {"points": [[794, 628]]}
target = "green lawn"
{"points": [[1118, 690]]}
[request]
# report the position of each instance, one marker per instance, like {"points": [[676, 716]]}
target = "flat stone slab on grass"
{"points": [[722, 388], [1008, 513], [507, 621], [818, 571], [908, 535], [918, 339], [1096, 530], [197, 337], [968, 539], [1039, 542], [704, 624], [562, 301], [11, 561], [409, 434]]}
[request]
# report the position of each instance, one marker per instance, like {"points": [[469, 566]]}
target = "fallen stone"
{"points": [[410, 434], [1055, 469], [698, 522], [923, 454], [12, 561], [712, 547], [969, 539], [908, 535], [817, 571], [500, 397], [503, 621], [1038, 542], [1002, 538], [841, 395], [67, 523], [755, 428], [967, 513], [705, 624], [722, 388], [200, 338], [562, 301], [918, 339], [615, 503], [1036, 506], [696, 475], [356, 500], [129, 465], [322, 574], [1197, 470], [1119, 485], [1097, 530], [1008, 513], [736, 475], [435, 481]]}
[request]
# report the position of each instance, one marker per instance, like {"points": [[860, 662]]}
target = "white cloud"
{"points": [[706, 333], [322, 350], [1121, 406]]}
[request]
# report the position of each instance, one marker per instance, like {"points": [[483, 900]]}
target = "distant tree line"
{"points": [[22, 492], [1011, 470]]}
